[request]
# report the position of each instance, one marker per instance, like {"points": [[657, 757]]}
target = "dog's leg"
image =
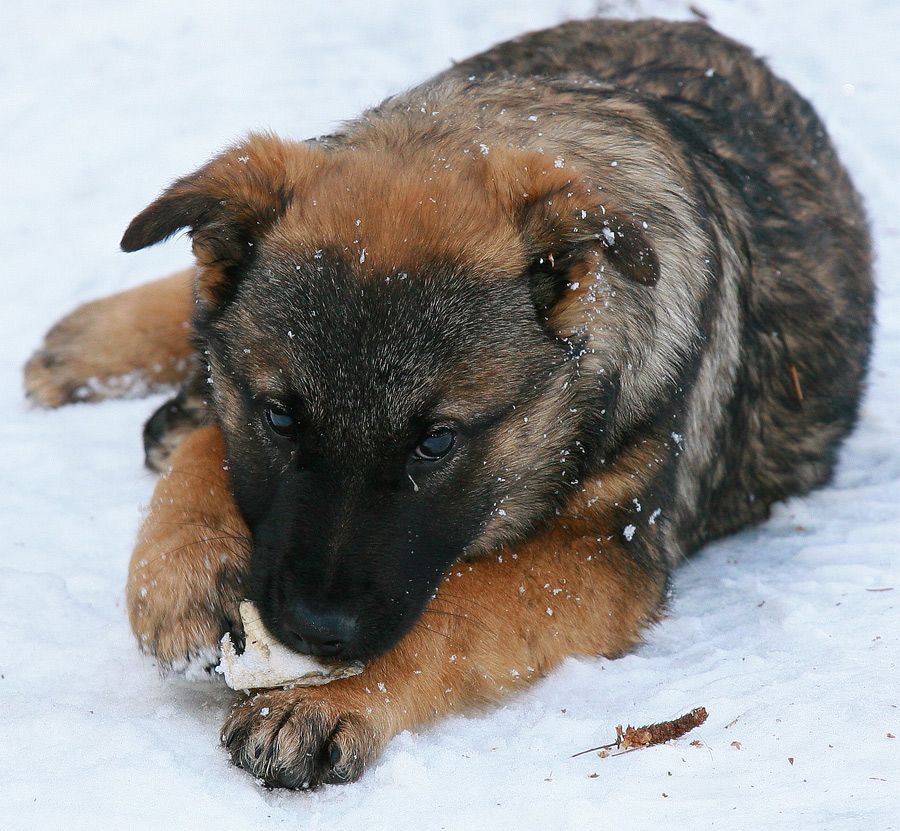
{"points": [[189, 568], [128, 344], [495, 624], [174, 420]]}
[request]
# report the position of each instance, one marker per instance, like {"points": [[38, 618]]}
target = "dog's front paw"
{"points": [[190, 567], [301, 738], [180, 613]]}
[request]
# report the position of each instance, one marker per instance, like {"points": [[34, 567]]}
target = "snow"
{"points": [[788, 634]]}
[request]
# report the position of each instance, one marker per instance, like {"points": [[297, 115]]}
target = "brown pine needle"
{"points": [[796, 379], [664, 731]]}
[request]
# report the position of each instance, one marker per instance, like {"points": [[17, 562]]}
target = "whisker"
{"points": [[217, 528], [218, 483], [146, 561], [447, 614], [467, 618], [238, 545], [420, 625], [200, 542], [461, 600]]}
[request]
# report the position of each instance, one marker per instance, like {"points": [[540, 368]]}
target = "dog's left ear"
{"points": [[227, 206], [564, 221]]}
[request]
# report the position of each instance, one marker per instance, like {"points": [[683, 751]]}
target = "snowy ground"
{"points": [[788, 634]]}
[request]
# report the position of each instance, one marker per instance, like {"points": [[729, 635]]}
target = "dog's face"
{"points": [[386, 372], [358, 438]]}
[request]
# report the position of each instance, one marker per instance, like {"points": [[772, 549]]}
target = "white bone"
{"points": [[265, 663]]}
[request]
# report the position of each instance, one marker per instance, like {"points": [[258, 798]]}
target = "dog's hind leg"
{"points": [[190, 565], [126, 345]]}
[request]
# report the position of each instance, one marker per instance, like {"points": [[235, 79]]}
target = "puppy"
{"points": [[485, 365]]}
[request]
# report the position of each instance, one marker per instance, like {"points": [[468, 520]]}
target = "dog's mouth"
{"points": [[358, 624], [338, 635]]}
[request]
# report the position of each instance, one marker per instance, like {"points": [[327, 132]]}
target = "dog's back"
{"points": [[776, 339]]}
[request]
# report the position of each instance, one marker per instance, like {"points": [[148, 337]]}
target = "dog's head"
{"points": [[388, 364]]}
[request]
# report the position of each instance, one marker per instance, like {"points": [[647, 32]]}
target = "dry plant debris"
{"points": [[664, 731]]}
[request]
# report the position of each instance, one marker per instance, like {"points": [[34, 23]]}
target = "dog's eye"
{"points": [[281, 422], [435, 445]]}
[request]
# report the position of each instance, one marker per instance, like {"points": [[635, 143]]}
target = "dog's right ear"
{"points": [[227, 206]]}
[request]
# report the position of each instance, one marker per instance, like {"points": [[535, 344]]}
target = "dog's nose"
{"points": [[323, 634]]}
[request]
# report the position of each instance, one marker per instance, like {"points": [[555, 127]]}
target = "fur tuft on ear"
{"points": [[563, 220], [227, 205]]}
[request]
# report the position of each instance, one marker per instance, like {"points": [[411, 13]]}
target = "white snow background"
{"points": [[787, 633]]}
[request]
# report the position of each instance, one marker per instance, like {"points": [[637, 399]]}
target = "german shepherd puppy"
{"points": [[485, 365]]}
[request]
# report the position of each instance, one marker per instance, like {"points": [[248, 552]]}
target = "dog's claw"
{"points": [[299, 739]]}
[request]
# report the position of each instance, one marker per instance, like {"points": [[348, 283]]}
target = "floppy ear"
{"points": [[563, 221], [228, 204]]}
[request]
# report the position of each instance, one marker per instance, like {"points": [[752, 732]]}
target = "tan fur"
{"points": [[131, 343], [496, 622], [392, 217], [190, 562]]}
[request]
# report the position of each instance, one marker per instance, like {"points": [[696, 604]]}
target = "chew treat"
{"points": [[265, 663]]}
